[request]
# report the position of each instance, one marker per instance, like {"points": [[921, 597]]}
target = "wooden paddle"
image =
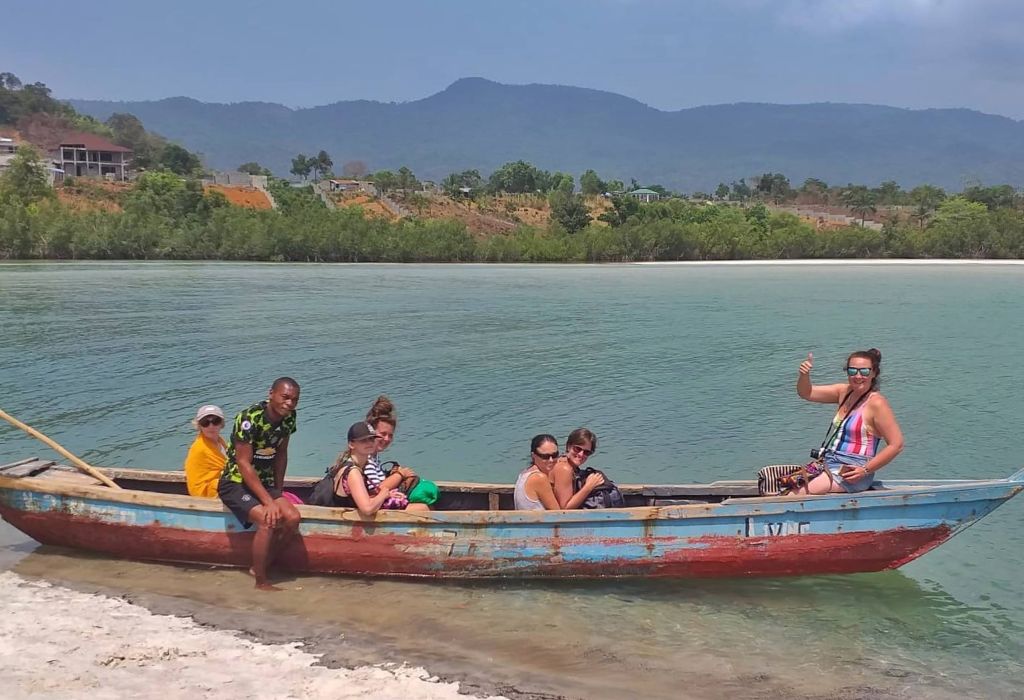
{"points": [[82, 466]]}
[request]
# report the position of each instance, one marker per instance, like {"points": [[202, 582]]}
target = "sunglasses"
{"points": [[207, 421], [549, 455], [580, 450], [854, 371]]}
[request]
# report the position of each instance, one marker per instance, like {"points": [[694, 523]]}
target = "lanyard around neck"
{"points": [[835, 428]]}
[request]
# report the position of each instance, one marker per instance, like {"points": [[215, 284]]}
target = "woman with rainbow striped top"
{"points": [[862, 422]]}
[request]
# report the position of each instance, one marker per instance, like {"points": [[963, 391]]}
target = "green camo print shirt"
{"points": [[252, 426]]}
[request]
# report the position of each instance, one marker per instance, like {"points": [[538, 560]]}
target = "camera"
{"points": [[817, 453]]}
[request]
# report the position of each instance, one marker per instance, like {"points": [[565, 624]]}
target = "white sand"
{"points": [[814, 262], [59, 643]]}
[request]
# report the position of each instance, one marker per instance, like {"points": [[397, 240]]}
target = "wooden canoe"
{"points": [[722, 529]]}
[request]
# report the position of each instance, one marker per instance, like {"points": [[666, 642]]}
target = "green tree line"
{"points": [[170, 217]]}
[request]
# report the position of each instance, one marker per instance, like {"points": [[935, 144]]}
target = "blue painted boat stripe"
{"points": [[817, 516]]}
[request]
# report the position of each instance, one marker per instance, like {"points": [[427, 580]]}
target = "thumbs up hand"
{"points": [[807, 365]]}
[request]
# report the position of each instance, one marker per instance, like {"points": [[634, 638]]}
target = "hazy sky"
{"points": [[668, 53]]}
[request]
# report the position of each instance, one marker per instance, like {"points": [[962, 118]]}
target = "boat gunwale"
{"points": [[719, 487], [730, 507]]}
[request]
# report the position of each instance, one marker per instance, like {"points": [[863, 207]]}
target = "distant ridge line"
{"points": [[477, 123]]}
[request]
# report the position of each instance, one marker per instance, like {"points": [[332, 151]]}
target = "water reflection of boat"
{"points": [[721, 529]]}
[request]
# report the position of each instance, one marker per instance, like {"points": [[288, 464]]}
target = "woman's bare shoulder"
{"points": [[537, 480], [877, 402], [562, 466]]}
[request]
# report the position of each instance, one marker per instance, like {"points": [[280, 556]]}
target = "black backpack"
{"points": [[323, 490], [323, 493], [607, 495]]}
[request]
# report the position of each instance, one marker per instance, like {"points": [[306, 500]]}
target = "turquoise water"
{"points": [[685, 372]]}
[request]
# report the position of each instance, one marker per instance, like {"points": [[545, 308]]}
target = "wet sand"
{"points": [[515, 640], [99, 647], [65, 636], [103, 647]]}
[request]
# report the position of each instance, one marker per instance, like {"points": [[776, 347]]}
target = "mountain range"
{"points": [[477, 123]]}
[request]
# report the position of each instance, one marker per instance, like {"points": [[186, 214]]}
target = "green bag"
{"points": [[424, 492]]}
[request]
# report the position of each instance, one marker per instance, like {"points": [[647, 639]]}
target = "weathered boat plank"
{"points": [[26, 467], [737, 536]]}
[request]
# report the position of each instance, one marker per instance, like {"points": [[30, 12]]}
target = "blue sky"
{"points": [[669, 54]]}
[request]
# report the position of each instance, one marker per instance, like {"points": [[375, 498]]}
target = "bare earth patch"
{"points": [[241, 196]]}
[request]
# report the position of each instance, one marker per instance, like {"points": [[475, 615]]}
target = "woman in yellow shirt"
{"points": [[206, 457]]}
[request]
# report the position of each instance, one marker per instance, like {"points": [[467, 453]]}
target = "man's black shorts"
{"points": [[240, 500]]}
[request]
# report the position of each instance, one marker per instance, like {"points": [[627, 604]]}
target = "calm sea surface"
{"points": [[685, 372]]}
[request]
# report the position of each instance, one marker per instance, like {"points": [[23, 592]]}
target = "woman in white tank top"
{"points": [[533, 487]]}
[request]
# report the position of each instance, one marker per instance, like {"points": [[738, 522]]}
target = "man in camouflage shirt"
{"points": [[253, 478]]}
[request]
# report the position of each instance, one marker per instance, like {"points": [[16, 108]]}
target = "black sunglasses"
{"points": [[207, 421], [549, 455], [582, 450]]}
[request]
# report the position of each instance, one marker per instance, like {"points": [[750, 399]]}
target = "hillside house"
{"points": [[88, 155], [645, 195]]}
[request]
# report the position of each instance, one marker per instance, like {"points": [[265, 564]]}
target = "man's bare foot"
{"points": [[262, 584]]}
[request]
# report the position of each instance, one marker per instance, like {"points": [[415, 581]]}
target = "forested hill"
{"points": [[480, 124]]}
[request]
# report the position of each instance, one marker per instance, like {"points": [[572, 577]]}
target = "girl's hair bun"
{"points": [[382, 409]]}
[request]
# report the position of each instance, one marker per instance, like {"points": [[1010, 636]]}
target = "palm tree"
{"points": [[927, 198], [861, 201]]}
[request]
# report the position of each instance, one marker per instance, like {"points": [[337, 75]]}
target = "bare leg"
{"points": [[286, 529], [261, 543], [821, 484], [418, 508], [261, 555]]}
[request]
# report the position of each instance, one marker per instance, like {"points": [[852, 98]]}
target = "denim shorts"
{"points": [[835, 461]]}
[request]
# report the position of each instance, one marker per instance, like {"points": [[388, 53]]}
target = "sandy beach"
{"points": [[102, 647], [844, 262]]}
